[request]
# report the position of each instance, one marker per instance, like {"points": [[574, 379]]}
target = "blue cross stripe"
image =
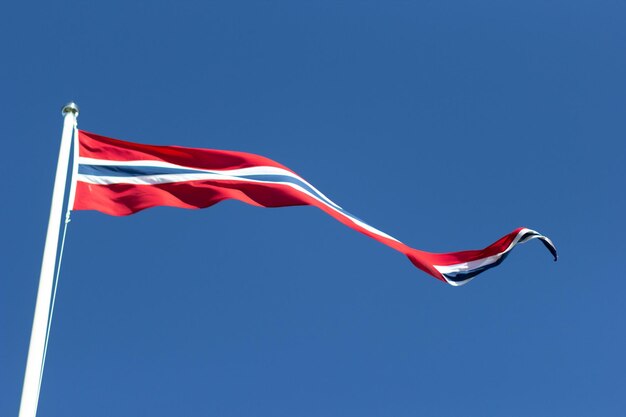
{"points": [[140, 171]]}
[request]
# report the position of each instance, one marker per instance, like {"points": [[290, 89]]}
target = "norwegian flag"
{"points": [[121, 178]]}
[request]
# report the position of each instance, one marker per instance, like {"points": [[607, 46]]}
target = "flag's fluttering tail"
{"points": [[121, 178]]}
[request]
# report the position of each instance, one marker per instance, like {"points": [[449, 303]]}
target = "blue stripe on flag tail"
{"points": [[285, 178], [551, 248], [465, 275], [295, 181]]}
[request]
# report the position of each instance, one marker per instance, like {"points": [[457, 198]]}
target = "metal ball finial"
{"points": [[70, 107]]}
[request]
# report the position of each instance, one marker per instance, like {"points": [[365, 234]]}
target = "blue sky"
{"points": [[445, 124]]}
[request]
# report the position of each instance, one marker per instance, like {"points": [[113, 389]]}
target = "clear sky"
{"points": [[444, 123]]}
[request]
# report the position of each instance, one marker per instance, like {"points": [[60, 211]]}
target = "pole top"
{"points": [[70, 107]]}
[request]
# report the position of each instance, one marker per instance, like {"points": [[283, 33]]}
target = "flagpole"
{"points": [[34, 363]]}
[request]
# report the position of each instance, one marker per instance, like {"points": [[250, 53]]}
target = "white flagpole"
{"points": [[34, 363]]}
